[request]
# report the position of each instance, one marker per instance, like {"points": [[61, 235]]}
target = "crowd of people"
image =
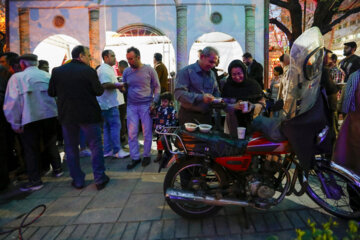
{"points": [[88, 104], [97, 108]]}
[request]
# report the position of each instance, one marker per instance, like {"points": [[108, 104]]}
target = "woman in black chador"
{"points": [[238, 89]]}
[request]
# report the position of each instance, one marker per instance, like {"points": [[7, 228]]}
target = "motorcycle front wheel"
{"points": [[334, 192], [192, 175]]}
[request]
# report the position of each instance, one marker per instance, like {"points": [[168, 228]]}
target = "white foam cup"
{"points": [[241, 132]]}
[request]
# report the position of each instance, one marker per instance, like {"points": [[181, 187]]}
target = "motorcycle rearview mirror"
{"points": [[313, 64]]}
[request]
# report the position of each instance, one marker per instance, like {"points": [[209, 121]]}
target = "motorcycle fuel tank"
{"points": [[258, 144]]}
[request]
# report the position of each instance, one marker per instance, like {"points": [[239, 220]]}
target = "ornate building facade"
{"points": [[90, 22]]}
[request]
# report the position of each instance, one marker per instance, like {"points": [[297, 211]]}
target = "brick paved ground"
{"points": [[132, 206]]}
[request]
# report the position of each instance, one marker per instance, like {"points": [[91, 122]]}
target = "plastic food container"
{"points": [[205, 128], [190, 127]]}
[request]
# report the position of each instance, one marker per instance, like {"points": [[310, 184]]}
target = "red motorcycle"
{"points": [[209, 170]]}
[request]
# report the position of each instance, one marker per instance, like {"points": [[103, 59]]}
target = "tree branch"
{"points": [[328, 28], [282, 27], [280, 3]]}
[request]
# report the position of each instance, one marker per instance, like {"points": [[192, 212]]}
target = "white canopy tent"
{"points": [[55, 48], [147, 45], [229, 49]]}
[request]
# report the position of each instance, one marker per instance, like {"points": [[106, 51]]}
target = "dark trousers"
{"points": [[36, 133], [6, 138], [122, 110], [332, 100], [92, 134]]}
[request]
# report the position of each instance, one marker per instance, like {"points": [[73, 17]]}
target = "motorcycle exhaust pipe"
{"points": [[178, 195]]}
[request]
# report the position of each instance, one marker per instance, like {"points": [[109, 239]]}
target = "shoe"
{"points": [[85, 153], [102, 185], [31, 186], [121, 154], [76, 186], [58, 173], [133, 164], [146, 161], [158, 158], [109, 154]]}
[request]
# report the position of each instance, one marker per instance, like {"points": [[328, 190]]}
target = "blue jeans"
{"points": [[112, 128], [82, 140], [93, 136], [134, 114]]}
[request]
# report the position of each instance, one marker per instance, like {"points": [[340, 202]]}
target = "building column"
{"points": [[94, 36], [250, 29], [24, 31], [181, 37], [266, 44]]}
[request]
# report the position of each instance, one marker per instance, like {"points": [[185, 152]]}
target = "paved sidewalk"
{"points": [[132, 206]]}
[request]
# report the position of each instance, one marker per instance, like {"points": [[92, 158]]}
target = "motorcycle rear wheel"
{"points": [[190, 180], [339, 186]]}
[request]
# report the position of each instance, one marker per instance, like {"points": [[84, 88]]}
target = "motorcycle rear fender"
{"points": [[350, 174]]}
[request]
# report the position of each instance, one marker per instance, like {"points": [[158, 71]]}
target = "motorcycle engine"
{"points": [[260, 189], [261, 182]]}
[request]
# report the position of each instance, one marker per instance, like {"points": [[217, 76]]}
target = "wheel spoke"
{"points": [[330, 190]]}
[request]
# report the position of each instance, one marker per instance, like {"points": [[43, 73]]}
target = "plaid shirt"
{"points": [[337, 74]]}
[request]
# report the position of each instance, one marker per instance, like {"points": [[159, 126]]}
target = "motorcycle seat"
{"points": [[218, 143]]}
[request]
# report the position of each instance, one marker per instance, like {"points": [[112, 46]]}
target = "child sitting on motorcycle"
{"points": [[164, 116]]}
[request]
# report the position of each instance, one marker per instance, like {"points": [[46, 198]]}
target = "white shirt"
{"points": [[111, 97], [26, 98], [285, 83]]}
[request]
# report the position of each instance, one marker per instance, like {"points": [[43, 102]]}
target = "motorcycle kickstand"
{"points": [[246, 218]]}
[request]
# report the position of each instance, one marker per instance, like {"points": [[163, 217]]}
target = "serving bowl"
{"points": [[205, 128], [190, 127]]}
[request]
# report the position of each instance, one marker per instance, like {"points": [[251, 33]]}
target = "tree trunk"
{"points": [[323, 16], [296, 16], [324, 13]]}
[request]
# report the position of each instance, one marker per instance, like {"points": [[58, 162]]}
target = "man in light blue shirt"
{"points": [[196, 88], [143, 91], [109, 102]]}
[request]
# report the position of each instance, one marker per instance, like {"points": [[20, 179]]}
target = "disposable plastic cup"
{"points": [[246, 106], [241, 132]]}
